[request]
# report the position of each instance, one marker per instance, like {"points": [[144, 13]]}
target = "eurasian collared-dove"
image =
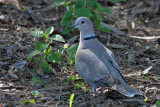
{"points": [[96, 64]]}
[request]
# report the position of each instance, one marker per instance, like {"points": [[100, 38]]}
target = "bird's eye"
{"points": [[82, 22]]}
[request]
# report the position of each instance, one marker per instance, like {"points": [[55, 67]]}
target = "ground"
{"points": [[137, 53]]}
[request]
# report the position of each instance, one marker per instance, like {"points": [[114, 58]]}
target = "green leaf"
{"points": [[50, 49], [104, 9], [66, 19], [32, 54], [103, 29], [68, 13], [29, 101], [58, 0], [57, 37], [49, 31], [36, 33], [73, 48], [25, 101], [67, 3], [71, 100], [35, 93], [64, 32], [79, 4], [116, 0], [45, 66], [55, 57], [57, 4], [145, 99], [94, 4], [96, 23], [36, 59], [72, 53], [65, 46], [157, 103], [40, 46], [99, 17], [83, 12], [60, 51], [71, 58], [32, 101]]}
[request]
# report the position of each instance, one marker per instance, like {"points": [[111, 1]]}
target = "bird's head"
{"points": [[83, 24]]}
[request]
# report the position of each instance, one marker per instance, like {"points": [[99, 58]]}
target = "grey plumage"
{"points": [[96, 64]]}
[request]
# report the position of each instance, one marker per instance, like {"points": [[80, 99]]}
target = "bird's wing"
{"points": [[110, 56], [91, 68]]}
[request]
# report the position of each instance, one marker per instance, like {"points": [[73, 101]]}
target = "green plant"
{"points": [[35, 93], [43, 51], [144, 76], [28, 101], [78, 8], [157, 103], [36, 80], [73, 78], [72, 53], [71, 100], [146, 98], [80, 85]]}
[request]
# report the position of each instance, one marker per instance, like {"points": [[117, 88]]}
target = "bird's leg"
{"points": [[94, 92], [97, 91], [100, 89]]}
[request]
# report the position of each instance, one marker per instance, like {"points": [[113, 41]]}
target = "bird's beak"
{"points": [[73, 26]]}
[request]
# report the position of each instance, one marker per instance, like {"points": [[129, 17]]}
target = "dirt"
{"points": [[137, 53]]}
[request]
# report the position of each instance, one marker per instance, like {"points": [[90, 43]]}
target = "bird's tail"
{"points": [[127, 90]]}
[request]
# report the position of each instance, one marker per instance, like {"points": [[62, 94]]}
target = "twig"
{"points": [[153, 88], [145, 38], [60, 92]]}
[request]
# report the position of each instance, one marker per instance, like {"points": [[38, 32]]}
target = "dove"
{"points": [[96, 64]]}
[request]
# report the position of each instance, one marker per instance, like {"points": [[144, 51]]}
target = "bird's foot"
{"points": [[100, 89], [97, 92]]}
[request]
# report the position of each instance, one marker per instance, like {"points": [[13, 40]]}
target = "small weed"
{"points": [[43, 53], [144, 76], [36, 80], [29, 101], [35, 93], [81, 85], [73, 78], [54, 84]]}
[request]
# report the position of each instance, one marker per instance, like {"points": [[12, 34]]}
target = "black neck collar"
{"points": [[91, 37]]}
